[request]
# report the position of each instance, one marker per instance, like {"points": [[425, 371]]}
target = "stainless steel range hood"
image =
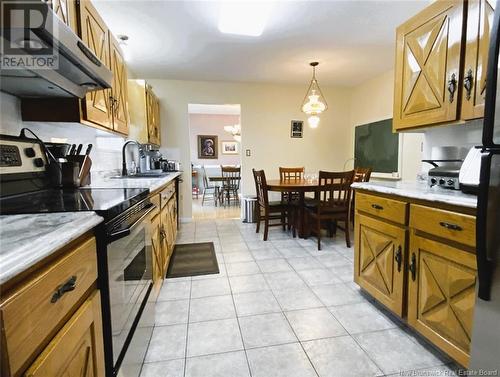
{"points": [[74, 71]]}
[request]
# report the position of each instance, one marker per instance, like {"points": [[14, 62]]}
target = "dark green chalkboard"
{"points": [[376, 146]]}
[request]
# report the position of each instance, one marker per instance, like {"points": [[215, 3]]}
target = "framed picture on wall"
{"points": [[296, 128], [229, 147], [207, 147]]}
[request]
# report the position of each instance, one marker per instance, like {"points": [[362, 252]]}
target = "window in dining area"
{"points": [[215, 136]]}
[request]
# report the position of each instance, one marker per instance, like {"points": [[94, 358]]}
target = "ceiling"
{"points": [[353, 40]]}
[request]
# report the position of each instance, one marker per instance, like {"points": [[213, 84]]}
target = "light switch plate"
{"points": [[247, 153]]}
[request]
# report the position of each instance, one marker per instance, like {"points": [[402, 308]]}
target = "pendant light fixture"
{"points": [[314, 102], [235, 131]]}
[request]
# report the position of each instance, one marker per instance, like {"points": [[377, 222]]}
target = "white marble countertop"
{"points": [[152, 184], [27, 239], [417, 190]]}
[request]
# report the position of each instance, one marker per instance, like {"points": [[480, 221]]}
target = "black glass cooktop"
{"points": [[106, 202]]}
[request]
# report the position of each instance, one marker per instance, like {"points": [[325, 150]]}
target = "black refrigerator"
{"points": [[485, 349]]}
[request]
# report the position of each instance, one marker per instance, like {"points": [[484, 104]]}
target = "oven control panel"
{"points": [[19, 155]]}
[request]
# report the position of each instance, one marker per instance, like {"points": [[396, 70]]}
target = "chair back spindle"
{"points": [[362, 174]]}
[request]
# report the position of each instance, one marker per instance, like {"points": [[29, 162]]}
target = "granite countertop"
{"points": [[417, 190], [27, 239], [152, 184]]}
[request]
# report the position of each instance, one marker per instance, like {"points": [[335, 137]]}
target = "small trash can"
{"points": [[248, 208]]}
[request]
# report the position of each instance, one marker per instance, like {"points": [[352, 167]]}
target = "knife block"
{"points": [[85, 163]]}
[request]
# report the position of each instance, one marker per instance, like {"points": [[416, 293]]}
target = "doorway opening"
{"points": [[215, 144]]}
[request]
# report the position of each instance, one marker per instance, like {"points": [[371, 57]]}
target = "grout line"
{"points": [[238, 321], [291, 327], [187, 327]]}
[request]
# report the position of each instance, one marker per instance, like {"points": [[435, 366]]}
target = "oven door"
{"points": [[129, 278]]}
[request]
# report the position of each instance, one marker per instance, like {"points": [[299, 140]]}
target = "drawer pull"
{"points": [[413, 267], [376, 206], [399, 258], [70, 285], [450, 226]]}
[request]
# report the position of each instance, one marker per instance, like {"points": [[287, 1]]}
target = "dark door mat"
{"points": [[193, 259]]}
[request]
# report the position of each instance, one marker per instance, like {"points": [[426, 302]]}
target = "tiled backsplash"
{"points": [[106, 152]]}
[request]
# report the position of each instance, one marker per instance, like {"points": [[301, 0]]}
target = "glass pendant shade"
{"points": [[314, 102], [313, 121], [235, 131]]}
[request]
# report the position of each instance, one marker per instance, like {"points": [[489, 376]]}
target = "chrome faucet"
{"points": [[124, 159]]}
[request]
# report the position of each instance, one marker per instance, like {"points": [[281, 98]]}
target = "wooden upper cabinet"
{"points": [[427, 71], [479, 22], [441, 295], [379, 260], [94, 33], [153, 116], [144, 113], [119, 97], [66, 11]]}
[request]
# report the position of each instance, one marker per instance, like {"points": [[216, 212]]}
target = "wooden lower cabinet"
{"points": [[77, 350], [424, 269], [164, 231], [441, 295], [156, 249], [379, 260], [168, 239]]}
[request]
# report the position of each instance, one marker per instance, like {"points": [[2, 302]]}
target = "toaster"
{"points": [[468, 176]]}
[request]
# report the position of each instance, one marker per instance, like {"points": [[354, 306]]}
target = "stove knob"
{"points": [[29, 152], [433, 181], [450, 182], [39, 162], [441, 181]]}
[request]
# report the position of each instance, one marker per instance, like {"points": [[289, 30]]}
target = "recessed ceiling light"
{"points": [[244, 17]]}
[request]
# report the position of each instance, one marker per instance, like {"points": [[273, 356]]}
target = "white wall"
{"points": [[212, 124], [266, 112]]}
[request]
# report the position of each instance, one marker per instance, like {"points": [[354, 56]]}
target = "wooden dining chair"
{"points": [[291, 199], [209, 189], [332, 202], [267, 210], [360, 175], [231, 185]]}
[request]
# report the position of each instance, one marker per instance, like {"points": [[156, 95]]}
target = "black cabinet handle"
{"points": [[452, 86], [399, 258], [450, 226], [413, 267], [70, 285], [468, 82], [376, 206]]}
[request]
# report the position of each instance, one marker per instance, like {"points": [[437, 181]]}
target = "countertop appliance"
{"points": [[444, 173], [76, 70], [123, 239], [486, 329], [469, 172]]}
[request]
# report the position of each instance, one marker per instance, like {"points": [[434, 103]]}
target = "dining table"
{"points": [[301, 186]]}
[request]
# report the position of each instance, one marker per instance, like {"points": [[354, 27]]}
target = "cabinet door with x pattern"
{"points": [[97, 105], [427, 74], [379, 260], [479, 23]]}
